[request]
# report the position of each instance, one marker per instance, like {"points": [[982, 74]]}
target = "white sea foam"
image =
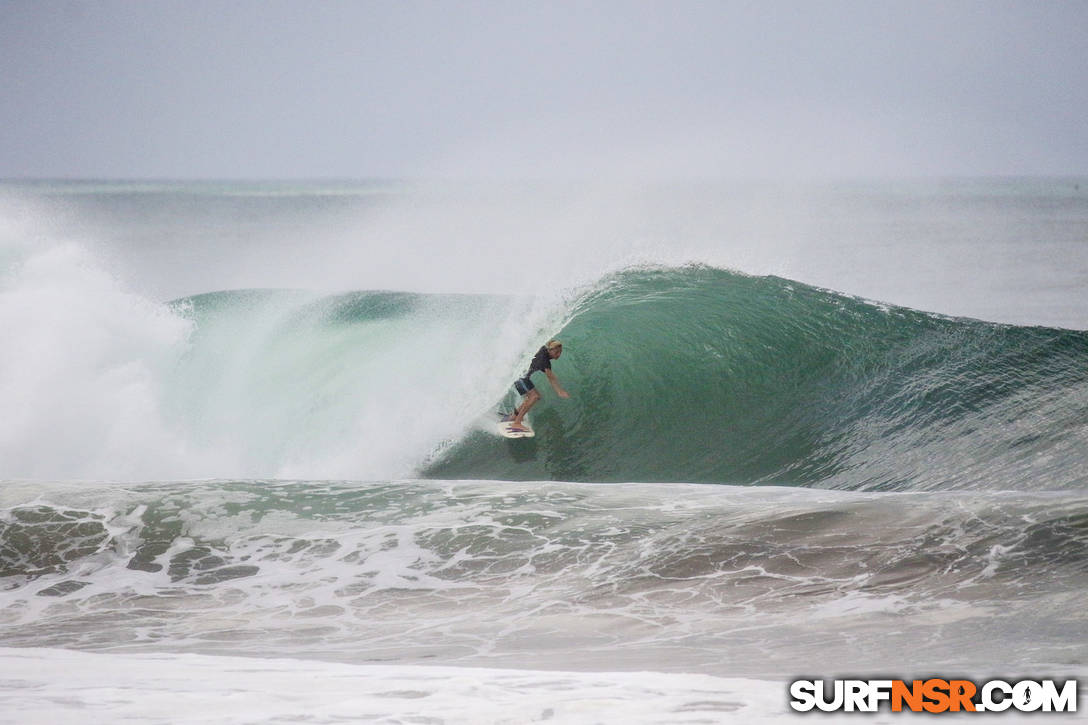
{"points": [[220, 690], [110, 688], [730, 581]]}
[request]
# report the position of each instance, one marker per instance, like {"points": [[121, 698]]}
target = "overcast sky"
{"points": [[276, 89]]}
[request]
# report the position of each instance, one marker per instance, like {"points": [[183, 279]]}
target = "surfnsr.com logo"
{"points": [[934, 695]]}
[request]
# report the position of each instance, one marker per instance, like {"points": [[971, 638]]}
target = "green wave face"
{"points": [[702, 375]]}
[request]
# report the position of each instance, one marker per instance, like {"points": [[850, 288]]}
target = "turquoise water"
{"points": [[709, 376]]}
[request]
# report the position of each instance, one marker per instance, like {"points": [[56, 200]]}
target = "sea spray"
{"points": [[83, 370], [99, 382]]}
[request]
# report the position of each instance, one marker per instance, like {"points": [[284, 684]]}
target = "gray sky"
{"points": [[272, 89]]}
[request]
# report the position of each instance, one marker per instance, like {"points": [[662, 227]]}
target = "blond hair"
{"points": [[552, 344]]}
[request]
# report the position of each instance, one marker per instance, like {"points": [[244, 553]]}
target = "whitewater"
{"points": [[248, 474]]}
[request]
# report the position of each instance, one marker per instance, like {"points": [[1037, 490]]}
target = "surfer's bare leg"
{"points": [[530, 400]]}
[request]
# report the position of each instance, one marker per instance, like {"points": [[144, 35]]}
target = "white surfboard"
{"points": [[507, 430]]}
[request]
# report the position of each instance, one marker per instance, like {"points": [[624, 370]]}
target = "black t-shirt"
{"points": [[541, 361]]}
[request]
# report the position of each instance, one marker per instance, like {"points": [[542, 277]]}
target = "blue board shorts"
{"points": [[523, 385]]}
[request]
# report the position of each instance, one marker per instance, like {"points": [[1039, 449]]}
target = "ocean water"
{"points": [[248, 473]]}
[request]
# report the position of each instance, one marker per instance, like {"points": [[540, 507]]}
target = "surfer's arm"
{"points": [[555, 384]]}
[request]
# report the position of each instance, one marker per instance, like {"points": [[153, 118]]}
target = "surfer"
{"points": [[542, 362]]}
